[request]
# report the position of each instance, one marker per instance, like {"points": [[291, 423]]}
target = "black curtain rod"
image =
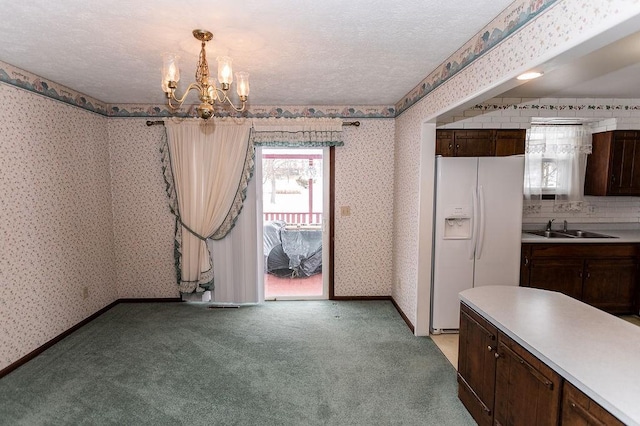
{"points": [[161, 123]]}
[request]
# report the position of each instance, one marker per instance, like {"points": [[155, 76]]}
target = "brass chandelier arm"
{"points": [[204, 94], [172, 95], [222, 97]]}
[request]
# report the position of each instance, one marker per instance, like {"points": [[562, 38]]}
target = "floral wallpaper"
{"points": [[364, 182], [57, 265], [143, 227]]}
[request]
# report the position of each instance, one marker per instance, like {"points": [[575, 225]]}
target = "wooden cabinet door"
{"points": [[625, 163], [557, 274], [476, 365], [579, 410], [510, 142], [527, 391], [444, 143], [610, 284], [474, 143]]}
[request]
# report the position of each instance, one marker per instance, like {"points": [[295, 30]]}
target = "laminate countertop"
{"points": [[596, 352]]}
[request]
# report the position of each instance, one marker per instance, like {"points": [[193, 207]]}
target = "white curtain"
{"points": [[239, 268], [555, 162], [209, 165]]}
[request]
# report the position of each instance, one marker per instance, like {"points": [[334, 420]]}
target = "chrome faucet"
{"points": [[564, 227], [549, 225]]}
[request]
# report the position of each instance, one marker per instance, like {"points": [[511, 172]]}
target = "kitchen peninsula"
{"points": [[546, 348]]}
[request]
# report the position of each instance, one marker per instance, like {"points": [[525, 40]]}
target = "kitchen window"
{"points": [[555, 162]]}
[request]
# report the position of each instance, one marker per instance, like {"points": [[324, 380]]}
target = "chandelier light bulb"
{"points": [[225, 73], [170, 67], [242, 80]]}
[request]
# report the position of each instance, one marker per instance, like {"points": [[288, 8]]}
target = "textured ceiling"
{"points": [[612, 71], [304, 52]]}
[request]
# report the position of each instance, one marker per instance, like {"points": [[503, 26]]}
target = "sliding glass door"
{"points": [[294, 221]]}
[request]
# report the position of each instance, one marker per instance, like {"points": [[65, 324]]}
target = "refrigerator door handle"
{"points": [[482, 223], [474, 218]]}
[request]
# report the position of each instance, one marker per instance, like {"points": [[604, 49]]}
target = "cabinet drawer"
{"points": [[584, 250], [579, 410]]}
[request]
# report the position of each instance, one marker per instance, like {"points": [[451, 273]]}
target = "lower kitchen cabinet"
{"points": [[546, 349], [499, 382], [602, 275], [527, 392], [579, 410], [556, 274], [610, 284], [477, 365]]}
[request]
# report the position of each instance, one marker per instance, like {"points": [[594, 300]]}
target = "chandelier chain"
{"points": [[202, 71]]}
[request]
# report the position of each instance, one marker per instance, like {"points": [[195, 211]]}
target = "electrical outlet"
{"points": [[85, 293], [345, 211]]}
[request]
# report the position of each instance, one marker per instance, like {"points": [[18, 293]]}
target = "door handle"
{"points": [[480, 242]]}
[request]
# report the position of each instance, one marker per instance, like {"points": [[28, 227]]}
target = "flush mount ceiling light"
{"points": [[529, 75], [208, 92]]}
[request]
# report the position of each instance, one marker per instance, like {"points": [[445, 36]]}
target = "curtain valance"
{"points": [[297, 132]]}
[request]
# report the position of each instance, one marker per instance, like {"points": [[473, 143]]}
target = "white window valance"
{"points": [[297, 132]]}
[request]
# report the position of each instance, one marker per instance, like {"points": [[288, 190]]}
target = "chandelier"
{"points": [[208, 92]]}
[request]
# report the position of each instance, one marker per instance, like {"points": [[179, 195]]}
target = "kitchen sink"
{"points": [[573, 233], [550, 234], [576, 233]]}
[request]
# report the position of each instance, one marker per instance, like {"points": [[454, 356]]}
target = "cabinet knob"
{"points": [[489, 348], [497, 355], [458, 146]]}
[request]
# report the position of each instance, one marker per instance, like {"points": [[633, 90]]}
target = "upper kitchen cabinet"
{"points": [[480, 142], [613, 168]]}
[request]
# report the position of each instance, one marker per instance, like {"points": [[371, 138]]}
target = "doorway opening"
{"points": [[295, 183]]}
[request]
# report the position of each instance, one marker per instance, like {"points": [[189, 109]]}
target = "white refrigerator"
{"points": [[477, 230]]}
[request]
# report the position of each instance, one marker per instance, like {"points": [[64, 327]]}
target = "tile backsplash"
{"points": [[594, 210]]}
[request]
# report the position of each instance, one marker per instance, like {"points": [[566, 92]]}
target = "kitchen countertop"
{"points": [[595, 351], [622, 236]]}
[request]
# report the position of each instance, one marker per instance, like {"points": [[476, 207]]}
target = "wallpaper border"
{"points": [[260, 111], [513, 18], [26, 80], [556, 107]]}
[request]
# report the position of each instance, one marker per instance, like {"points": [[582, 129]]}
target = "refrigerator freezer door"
{"points": [[453, 258], [498, 248]]}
